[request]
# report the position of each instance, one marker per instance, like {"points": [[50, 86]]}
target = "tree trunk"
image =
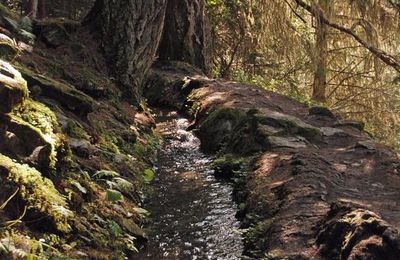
{"points": [[130, 32], [185, 35], [33, 8], [41, 8], [321, 55]]}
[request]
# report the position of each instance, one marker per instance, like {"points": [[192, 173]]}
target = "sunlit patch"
{"points": [[267, 163], [340, 167]]}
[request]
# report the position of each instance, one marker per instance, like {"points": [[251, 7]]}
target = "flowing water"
{"points": [[193, 215]]}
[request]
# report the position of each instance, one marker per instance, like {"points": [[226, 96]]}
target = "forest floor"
{"points": [[77, 157], [309, 184]]}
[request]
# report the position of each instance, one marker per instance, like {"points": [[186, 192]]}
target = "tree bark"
{"points": [[185, 33], [33, 8], [321, 56], [41, 8], [130, 32]]}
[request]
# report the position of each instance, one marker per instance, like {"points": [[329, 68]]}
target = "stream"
{"points": [[193, 214]]}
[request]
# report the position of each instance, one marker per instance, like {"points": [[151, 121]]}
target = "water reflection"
{"points": [[193, 213]]}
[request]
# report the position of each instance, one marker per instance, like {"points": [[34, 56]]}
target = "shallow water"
{"points": [[193, 215]]}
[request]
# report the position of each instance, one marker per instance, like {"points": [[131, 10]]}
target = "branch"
{"points": [[382, 55]]}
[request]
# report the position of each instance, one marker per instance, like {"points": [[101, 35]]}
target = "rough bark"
{"points": [[185, 33], [130, 32]]}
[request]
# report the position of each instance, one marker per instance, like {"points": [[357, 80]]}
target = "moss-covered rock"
{"points": [[13, 87], [32, 136], [65, 94], [217, 129], [37, 192]]}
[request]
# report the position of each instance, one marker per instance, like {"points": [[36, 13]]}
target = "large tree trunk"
{"points": [[130, 32], [185, 35]]}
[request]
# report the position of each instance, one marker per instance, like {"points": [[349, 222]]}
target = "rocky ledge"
{"points": [[310, 184]]}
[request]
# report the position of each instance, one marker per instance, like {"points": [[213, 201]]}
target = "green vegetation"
{"points": [[38, 193]]}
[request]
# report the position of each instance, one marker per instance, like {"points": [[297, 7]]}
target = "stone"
{"points": [[82, 147], [294, 142], [321, 111], [13, 88], [366, 144], [353, 124], [331, 131], [67, 95]]}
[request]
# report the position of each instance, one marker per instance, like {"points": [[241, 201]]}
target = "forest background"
{"points": [[342, 54]]}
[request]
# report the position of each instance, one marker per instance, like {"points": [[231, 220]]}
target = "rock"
{"points": [[13, 88], [143, 119], [218, 128], [227, 166], [27, 144], [294, 142], [82, 147], [65, 94], [391, 240], [290, 124], [366, 144], [331, 131], [353, 124], [321, 111], [354, 234]]}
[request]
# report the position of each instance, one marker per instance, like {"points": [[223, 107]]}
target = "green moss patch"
{"points": [[38, 192]]}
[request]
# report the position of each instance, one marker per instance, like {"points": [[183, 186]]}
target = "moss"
{"points": [[234, 131], [38, 115], [147, 147], [40, 120], [216, 131], [256, 238], [39, 193], [65, 94], [76, 131], [227, 165], [289, 124], [5, 11]]}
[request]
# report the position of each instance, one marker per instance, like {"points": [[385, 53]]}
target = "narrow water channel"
{"points": [[193, 215]]}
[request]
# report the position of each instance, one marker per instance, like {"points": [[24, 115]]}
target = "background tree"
{"points": [[185, 36], [342, 54]]}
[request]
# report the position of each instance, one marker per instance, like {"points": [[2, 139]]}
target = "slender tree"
{"points": [[321, 50], [33, 8]]}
